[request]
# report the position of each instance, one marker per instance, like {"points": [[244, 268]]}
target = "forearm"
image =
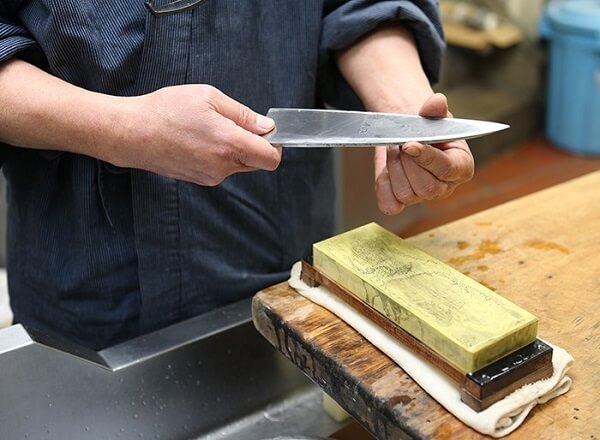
{"points": [[385, 70], [190, 132], [43, 112]]}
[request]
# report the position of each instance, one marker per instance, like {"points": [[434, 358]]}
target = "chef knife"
{"points": [[337, 128]]}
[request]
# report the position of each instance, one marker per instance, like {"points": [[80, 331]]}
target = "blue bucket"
{"points": [[573, 113]]}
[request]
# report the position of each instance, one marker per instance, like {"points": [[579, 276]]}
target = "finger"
{"points": [[401, 187], [452, 164], [253, 151], [435, 107], [386, 200], [240, 114], [425, 185]]}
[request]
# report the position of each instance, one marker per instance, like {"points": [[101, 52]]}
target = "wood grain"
{"points": [[546, 258]]}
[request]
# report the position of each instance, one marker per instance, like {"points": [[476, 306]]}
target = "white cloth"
{"points": [[498, 420]]}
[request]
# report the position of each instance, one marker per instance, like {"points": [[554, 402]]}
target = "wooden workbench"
{"points": [[541, 251]]}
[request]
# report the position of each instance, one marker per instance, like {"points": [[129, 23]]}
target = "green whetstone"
{"points": [[465, 322]]}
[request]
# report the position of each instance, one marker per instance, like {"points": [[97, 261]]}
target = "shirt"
{"points": [[100, 254]]}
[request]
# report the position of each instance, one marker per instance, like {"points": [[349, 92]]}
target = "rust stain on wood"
{"points": [[547, 246], [486, 247], [462, 244], [445, 431]]}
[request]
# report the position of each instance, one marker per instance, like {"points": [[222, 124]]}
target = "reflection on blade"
{"points": [[336, 128]]}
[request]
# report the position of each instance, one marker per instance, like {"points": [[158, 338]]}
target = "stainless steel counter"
{"points": [[211, 377]]}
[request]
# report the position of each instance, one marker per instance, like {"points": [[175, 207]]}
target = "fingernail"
{"points": [[264, 122]]}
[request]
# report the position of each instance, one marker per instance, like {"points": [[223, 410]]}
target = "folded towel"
{"points": [[498, 420]]}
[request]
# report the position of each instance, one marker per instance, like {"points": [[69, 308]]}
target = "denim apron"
{"points": [[101, 254]]}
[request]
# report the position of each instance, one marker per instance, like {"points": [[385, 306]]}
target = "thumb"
{"points": [[254, 122], [242, 115], [435, 107]]}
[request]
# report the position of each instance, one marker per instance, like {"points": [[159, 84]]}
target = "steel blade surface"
{"points": [[337, 128]]}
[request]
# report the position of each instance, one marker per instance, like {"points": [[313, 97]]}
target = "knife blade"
{"points": [[296, 127]]}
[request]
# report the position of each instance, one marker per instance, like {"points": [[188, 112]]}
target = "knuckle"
{"points": [[406, 196], [223, 153], [381, 183], [215, 181], [431, 190], [427, 160], [470, 172], [208, 180], [207, 89], [411, 200], [218, 176], [245, 116], [458, 171], [448, 172], [202, 91], [238, 156], [207, 93]]}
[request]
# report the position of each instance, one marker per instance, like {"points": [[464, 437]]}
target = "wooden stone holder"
{"points": [[478, 389]]}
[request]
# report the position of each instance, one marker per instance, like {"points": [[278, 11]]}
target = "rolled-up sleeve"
{"points": [[345, 22], [13, 38]]}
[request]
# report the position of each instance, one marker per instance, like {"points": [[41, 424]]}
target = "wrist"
{"points": [[114, 129]]}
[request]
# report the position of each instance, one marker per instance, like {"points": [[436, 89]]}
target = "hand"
{"points": [[194, 133], [416, 172]]}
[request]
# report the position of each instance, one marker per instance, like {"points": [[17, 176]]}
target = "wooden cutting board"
{"points": [[541, 251]]}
